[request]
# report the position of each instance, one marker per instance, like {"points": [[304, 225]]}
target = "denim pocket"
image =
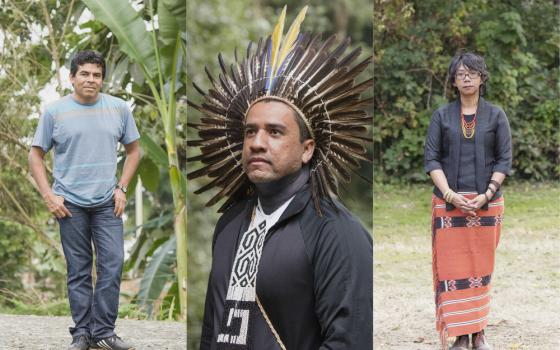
{"points": [[104, 215]]}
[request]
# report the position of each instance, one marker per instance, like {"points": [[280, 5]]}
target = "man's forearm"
{"points": [[130, 163], [39, 172]]}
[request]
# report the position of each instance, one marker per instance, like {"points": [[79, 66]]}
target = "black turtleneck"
{"points": [[275, 193]]}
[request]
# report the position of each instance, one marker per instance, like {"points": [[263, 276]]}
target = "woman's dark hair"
{"points": [[472, 62], [84, 57]]}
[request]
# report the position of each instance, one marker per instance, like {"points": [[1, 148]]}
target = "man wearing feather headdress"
{"points": [[292, 267]]}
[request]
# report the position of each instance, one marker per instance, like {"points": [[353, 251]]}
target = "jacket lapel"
{"points": [[455, 142], [482, 118]]}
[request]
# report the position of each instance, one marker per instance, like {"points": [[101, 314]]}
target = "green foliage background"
{"points": [[26, 256], [414, 43], [37, 38], [215, 26]]}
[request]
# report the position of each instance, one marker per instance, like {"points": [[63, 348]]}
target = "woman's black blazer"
{"points": [[492, 140]]}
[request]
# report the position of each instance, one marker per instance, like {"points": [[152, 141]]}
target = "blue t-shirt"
{"points": [[85, 139]]}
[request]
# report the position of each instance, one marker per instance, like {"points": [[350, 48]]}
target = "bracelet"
{"points": [[448, 196], [492, 190], [487, 199], [121, 187], [496, 183]]}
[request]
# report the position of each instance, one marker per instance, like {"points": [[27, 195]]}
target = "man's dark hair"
{"points": [[84, 57], [472, 62]]}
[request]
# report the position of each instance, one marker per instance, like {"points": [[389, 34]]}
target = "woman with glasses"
{"points": [[467, 155]]}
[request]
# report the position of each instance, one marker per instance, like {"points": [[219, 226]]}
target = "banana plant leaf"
{"points": [[129, 28], [157, 274]]}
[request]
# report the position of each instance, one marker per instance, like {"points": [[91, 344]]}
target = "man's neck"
{"points": [[83, 101], [273, 194]]}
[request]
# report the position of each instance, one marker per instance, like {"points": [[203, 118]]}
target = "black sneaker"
{"points": [[80, 342], [111, 343]]}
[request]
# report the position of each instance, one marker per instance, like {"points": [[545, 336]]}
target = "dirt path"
{"points": [[51, 333], [525, 310]]}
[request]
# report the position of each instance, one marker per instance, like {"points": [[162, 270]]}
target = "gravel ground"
{"points": [[50, 333]]}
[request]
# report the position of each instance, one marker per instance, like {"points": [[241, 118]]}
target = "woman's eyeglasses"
{"points": [[471, 74]]}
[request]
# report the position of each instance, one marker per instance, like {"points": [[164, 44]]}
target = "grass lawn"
{"points": [[404, 211], [525, 285]]}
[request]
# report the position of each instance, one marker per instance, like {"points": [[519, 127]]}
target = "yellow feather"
{"points": [[291, 36], [275, 41]]}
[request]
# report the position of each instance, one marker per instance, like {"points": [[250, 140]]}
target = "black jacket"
{"points": [[314, 280], [492, 144]]}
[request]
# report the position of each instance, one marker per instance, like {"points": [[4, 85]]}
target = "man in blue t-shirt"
{"points": [[84, 129]]}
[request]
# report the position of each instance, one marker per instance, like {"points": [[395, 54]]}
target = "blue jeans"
{"points": [[94, 309]]}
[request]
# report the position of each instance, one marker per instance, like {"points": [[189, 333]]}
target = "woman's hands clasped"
{"points": [[468, 206]]}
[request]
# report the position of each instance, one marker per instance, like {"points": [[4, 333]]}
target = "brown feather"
{"points": [[210, 77], [230, 188], [211, 168], [341, 170]]}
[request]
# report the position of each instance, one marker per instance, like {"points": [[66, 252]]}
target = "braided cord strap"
{"points": [[282, 346]]}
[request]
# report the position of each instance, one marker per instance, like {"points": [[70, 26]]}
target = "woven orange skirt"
{"points": [[463, 251]]}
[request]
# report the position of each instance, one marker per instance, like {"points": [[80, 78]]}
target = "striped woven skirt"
{"points": [[463, 250]]}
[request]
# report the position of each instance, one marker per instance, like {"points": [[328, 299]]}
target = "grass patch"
{"points": [[60, 307], [403, 212], [132, 311], [30, 303], [57, 307]]}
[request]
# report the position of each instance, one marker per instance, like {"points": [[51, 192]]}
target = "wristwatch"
{"points": [[122, 188]]}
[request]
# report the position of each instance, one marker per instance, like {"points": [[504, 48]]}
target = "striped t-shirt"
{"points": [[85, 139]]}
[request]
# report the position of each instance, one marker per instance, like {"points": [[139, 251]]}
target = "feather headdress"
{"points": [[316, 78]]}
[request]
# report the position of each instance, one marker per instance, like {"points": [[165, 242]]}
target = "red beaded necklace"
{"points": [[468, 127]]}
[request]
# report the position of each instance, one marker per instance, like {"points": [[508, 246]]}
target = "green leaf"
{"points": [[171, 20], [154, 151], [136, 73], [129, 28], [171, 299], [153, 231], [132, 186], [158, 272], [149, 173], [78, 9], [118, 72]]}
